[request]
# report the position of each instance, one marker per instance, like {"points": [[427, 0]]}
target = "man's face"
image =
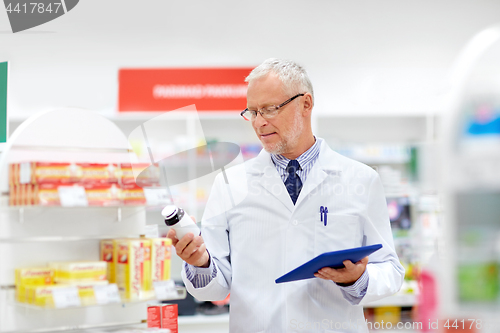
{"points": [[280, 134]]}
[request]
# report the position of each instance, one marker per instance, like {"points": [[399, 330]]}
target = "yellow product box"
{"points": [[387, 314], [80, 271], [86, 292], [107, 254], [133, 267], [32, 276], [42, 295], [160, 258], [115, 241]]}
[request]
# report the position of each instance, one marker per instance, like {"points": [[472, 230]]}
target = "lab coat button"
{"points": [[294, 222]]}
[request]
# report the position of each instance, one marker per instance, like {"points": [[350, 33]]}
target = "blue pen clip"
{"points": [[321, 212], [326, 216]]}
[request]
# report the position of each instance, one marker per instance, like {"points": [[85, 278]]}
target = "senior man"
{"points": [[279, 225]]}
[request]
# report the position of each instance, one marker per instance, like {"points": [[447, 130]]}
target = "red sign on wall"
{"points": [[167, 89]]}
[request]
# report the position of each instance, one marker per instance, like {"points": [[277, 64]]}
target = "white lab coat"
{"points": [[265, 236]]}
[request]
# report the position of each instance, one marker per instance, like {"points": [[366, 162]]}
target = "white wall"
{"points": [[364, 56]]}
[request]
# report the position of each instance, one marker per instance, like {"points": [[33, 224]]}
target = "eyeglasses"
{"points": [[266, 112]]}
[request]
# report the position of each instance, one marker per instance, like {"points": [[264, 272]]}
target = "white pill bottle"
{"points": [[178, 220]]}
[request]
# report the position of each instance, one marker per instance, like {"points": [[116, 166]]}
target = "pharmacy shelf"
{"points": [[35, 234], [377, 128], [40, 224], [181, 294], [121, 210], [61, 239], [200, 319], [116, 325], [402, 300], [204, 323]]}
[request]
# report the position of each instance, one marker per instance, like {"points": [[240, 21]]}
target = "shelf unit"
{"points": [[468, 271], [34, 235]]}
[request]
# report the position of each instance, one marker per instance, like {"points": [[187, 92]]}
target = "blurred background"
{"points": [[398, 86]]}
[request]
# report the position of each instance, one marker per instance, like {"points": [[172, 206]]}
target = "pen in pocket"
{"points": [[324, 211]]}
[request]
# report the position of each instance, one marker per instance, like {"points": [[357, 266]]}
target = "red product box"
{"points": [[23, 194], [133, 195], [154, 316], [169, 316], [13, 173], [126, 174], [47, 195], [102, 194], [48, 172], [13, 195], [43, 172], [147, 175], [98, 173]]}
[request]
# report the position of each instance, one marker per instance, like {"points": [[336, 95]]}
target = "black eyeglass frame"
{"points": [[277, 107]]}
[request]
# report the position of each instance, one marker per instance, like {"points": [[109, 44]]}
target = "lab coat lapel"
{"points": [[267, 176], [314, 179], [324, 166]]}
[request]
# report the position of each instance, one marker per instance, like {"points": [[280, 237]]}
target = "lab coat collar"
{"points": [[264, 171], [266, 174]]}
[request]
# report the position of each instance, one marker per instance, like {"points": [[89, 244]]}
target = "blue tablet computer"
{"points": [[333, 259]]}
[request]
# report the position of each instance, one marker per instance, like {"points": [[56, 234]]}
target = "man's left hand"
{"points": [[344, 276]]}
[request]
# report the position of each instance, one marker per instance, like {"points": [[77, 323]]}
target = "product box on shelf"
{"points": [[104, 184], [154, 316], [86, 292], [47, 194], [98, 173], [169, 317], [12, 195], [23, 194], [163, 316], [77, 272], [44, 172], [15, 193], [32, 276], [43, 295], [107, 254], [160, 258], [132, 194], [13, 173], [133, 268], [127, 173], [387, 314], [147, 174], [102, 194]]}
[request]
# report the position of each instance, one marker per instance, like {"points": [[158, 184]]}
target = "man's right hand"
{"points": [[191, 249]]}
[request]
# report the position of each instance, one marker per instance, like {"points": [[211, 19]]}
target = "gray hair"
{"points": [[293, 76]]}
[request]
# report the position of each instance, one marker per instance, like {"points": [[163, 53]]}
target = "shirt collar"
{"points": [[309, 156]]}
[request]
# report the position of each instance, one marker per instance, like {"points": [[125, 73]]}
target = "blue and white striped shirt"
{"points": [[306, 162], [200, 276]]}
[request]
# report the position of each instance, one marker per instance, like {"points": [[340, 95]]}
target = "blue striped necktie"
{"points": [[293, 183]]}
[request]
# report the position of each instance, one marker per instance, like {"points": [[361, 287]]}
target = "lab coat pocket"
{"points": [[337, 232]]}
